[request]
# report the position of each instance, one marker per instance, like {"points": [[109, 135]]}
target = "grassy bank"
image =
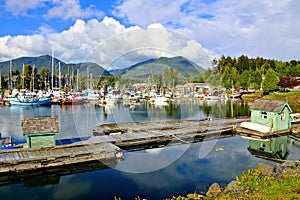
{"points": [[291, 97], [254, 184]]}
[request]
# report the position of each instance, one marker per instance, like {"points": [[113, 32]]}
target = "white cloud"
{"points": [[17, 7], [252, 27], [52, 9], [71, 9], [108, 43]]}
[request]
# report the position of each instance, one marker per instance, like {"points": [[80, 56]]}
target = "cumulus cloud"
{"points": [[53, 9], [108, 43], [252, 27], [17, 7], [71, 9]]}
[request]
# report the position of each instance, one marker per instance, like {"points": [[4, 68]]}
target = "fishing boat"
{"points": [[72, 100], [30, 101]]}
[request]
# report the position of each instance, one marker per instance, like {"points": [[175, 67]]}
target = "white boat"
{"points": [[295, 117], [159, 98]]}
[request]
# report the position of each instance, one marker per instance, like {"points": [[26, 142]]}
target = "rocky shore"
{"points": [[276, 172]]}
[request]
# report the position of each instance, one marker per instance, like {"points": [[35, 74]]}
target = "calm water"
{"points": [[154, 173]]}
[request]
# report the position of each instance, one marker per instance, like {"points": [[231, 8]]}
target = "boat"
{"points": [[30, 101], [72, 100], [157, 99], [235, 95], [295, 117]]}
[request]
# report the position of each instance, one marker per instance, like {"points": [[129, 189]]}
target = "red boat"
{"points": [[72, 100], [1, 101]]}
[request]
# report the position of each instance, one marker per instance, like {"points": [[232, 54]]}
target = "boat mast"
{"points": [[23, 77], [59, 76], [33, 78], [52, 68], [10, 73], [77, 80], [0, 80]]}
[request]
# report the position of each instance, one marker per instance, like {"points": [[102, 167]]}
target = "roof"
{"points": [[40, 125], [270, 105]]}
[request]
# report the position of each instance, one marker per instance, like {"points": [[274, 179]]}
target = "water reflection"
{"points": [[275, 148]]}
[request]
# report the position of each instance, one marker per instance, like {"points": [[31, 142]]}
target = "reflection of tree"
{"points": [[225, 109], [206, 109], [172, 110]]}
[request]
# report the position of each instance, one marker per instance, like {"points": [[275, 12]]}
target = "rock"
{"points": [[265, 168], [232, 187], [213, 190]]}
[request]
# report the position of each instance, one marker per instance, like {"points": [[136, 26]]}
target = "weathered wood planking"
{"points": [[19, 160], [101, 146]]}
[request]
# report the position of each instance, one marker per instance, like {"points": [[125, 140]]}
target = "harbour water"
{"points": [[153, 173]]}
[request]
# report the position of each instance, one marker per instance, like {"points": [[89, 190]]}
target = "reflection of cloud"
{"points": [[151, 159], [73, 189], [188, 169]]}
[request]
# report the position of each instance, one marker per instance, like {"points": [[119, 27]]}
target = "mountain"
{"points": [[45, 61], [185, 67]]}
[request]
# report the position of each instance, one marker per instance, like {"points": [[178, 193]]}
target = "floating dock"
{"points": [[28, 159], [256, 134], [110, 139]]}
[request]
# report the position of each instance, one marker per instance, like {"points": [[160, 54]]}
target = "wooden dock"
{"points": [[256, 134], [28, 159], [110, 139], [136, 135]]}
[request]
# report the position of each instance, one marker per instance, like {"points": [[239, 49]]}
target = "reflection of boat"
{"points": [[211, 98], [30, 101]]}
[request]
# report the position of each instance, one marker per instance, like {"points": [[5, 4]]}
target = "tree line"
{"points": [[257, 72]]}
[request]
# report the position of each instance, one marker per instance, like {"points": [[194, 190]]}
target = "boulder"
{"points": [[265, 168], [213, 190]]}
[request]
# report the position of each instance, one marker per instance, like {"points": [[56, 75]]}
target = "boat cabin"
{"points": [[40, 132]]}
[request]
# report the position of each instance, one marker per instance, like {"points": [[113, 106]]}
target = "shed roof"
{"points": [[40, 125], [270, 105]]}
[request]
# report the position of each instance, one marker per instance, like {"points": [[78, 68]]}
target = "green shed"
{"points": [[40, 132], [274, 114]]}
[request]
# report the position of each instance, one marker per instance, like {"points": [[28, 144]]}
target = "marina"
{"points": [[119, 144]]}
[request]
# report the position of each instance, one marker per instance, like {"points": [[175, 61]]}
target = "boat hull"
{"points": [[31, 102]]}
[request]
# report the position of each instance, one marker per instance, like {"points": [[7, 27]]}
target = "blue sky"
{"points": [[122, 32]]}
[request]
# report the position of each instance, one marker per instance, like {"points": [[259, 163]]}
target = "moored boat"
{"points": [[30, 102], [72, 100]]}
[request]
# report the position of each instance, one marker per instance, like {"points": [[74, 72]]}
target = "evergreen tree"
{"points": [[270, 83]]}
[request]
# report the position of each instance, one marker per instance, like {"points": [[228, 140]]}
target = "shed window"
{"points": [[264, 115], [283, 116]]}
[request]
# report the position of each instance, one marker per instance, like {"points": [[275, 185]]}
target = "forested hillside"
{"points": [[252, 72]]}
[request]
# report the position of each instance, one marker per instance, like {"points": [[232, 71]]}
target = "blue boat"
{"points": [[31, 102]]}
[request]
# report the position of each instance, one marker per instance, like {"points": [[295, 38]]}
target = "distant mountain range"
{"points": [[186, 68], [45, 61]]}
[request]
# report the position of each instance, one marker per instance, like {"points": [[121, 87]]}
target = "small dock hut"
{"points": [[40, 132], [269, 116]]}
